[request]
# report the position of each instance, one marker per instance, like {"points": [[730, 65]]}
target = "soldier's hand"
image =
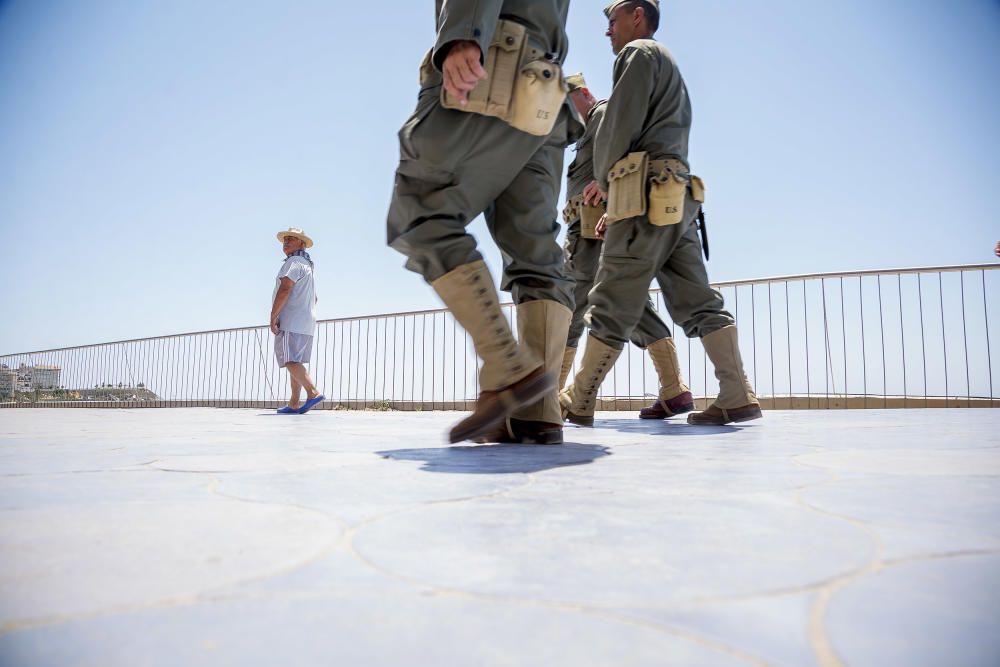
{"points": [[593, 194], [601, 227], [462, 70]]}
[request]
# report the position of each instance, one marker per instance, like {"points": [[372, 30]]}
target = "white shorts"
{"points": [[292, 347]]}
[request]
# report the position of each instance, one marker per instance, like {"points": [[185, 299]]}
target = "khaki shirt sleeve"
{"points": [[469, 20], [625, 113]]}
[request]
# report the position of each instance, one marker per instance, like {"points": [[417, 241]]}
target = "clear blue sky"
{"points": [[149, 151]]}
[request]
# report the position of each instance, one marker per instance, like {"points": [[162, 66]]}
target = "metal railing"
{"points": [[915, 337]]}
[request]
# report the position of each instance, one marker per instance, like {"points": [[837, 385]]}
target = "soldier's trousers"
{"points": [[637, 252], [455, 165], [582, 260]]}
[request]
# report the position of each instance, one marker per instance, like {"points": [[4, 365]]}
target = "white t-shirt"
{"points": [[298, 315]]}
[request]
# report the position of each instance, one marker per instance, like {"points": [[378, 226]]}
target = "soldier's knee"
{"points": [[702, 325]]}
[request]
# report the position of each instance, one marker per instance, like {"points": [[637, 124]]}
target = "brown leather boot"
{"points": [[713, 415], [664, 409], [579, 400], [736, 401], [493, 407], [517, 431], [510, 376], [674, 395]]}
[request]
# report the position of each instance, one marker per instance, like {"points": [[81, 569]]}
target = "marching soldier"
{"points": [[583, 251], [489, 116], [641, 162]]}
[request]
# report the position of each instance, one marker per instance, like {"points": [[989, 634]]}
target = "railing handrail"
{"points": [[725, 283], [854, 274]]}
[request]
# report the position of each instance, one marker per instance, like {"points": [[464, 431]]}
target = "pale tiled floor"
{"points": [[236, 537]]}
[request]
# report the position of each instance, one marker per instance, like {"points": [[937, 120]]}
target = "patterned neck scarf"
{"points": [[303, 254]]}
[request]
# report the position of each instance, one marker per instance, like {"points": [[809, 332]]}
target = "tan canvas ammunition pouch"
{"points": [[492, 95], [698, 189], [525, 95], [590, 215], [587, 214], [539, 93], [668, 184], [627, 187]]}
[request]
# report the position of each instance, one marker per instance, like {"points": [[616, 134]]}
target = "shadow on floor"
{"points": [[498, 459], [670, 427]]}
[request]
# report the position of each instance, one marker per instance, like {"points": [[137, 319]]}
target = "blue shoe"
{"points": [[288, 411], [311, 403]]}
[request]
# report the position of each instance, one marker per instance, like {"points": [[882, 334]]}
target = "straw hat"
{"points": [[297, 233]]}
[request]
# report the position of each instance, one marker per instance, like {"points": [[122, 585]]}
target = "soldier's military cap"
{"points": [[576, 82], [655, 4]]}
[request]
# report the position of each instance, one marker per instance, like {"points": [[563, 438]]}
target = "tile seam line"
{"points": [[202, 596], [348, 543], [818, 634], [588, 610]]}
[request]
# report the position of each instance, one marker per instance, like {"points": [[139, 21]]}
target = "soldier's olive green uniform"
{"points": [[649, 110], [455, 165], [524, 219], [583, 255], [644, 138]]}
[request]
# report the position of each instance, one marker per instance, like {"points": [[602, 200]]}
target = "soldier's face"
{"points": [[623, 27]]}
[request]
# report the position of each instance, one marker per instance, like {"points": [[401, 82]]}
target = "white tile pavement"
{"points": [[236, 537]]}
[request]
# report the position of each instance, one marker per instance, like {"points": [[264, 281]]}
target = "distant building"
{"points": [[45, 377], [29, 378], [8, 382]]}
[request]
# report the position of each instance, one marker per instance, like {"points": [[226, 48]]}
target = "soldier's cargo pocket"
{"points": [[539, 93], [425, 104], [427, 71], [666, 199], [627, 187]]}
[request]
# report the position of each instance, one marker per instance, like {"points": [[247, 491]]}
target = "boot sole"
{"points": [[682, 410], [536, 433], [546, 439], [529, 393], [579, 420], [745, 417], [749, 417]]}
